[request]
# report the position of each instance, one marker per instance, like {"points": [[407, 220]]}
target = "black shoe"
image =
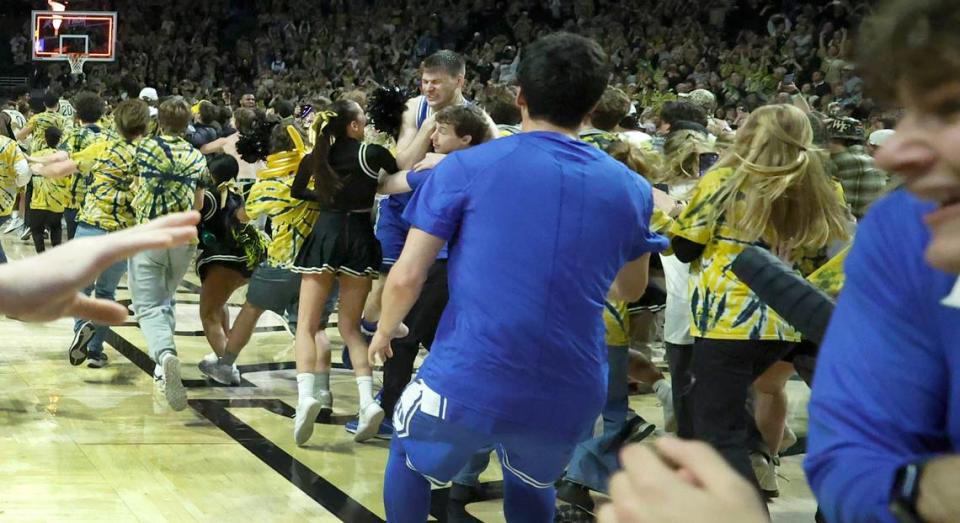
{"points": [[575, 494], [78, 347], [465, 494], [97, 361], [572, 514], [640, 431]]}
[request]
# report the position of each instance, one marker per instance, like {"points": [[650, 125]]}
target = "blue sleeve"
{"points": [[436, 207], [645, 241], [416, 178], [878, 399]]}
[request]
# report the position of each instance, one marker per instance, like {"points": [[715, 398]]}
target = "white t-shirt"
{"points": [[676, 317]]}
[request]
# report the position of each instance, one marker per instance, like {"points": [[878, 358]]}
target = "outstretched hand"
{"points": [[429, 161], [380, 349], [679, 481], [47, 286]]}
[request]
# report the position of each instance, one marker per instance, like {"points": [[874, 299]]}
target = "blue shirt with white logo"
{"points": [[538, 225]]}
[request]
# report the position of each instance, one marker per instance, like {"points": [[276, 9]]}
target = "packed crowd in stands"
{"points": [[746, 53]]}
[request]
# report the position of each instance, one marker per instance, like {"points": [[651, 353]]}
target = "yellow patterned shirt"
{"points": [[830, 276], [49, 194], [110, 166], [169, 171], [291, 219], [76, 140], [722, 306], [10, 155], [616, 319], [39, 123]]}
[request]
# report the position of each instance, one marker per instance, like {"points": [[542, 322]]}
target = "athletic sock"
{"points": [[228, 358], [660, 383], [321, 383], [365, 385], [306, 382]]}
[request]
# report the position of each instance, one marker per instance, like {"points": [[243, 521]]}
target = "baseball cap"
{"points": [[847, 128], [877, 138], [149, 93], [700, 97]]}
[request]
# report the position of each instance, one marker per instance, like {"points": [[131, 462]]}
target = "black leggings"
{"points": [[721, 374], [422, 320], [38, 220]]}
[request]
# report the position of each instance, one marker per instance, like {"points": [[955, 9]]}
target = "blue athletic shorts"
{"points": [[439, 437], [392, 236]]}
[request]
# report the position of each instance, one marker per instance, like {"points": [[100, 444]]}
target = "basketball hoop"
{"points": [[76, 61]]}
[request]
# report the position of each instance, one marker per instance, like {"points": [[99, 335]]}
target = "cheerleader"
{"points": [[341, 247], [770, 189], [229, 251]]}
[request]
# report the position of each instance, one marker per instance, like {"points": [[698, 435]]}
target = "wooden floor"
{"points": [[82, 444]]}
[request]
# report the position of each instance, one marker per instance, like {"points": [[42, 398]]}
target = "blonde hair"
{"points": [[644, 162], [681, 156], [779, 191]]}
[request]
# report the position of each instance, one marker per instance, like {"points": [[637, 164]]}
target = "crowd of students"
{"points": [[513, 236]]}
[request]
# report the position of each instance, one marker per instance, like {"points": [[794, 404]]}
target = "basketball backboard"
{"points": [[57, 34]]}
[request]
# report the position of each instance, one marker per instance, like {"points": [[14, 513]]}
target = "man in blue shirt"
{"points": [[540, 228], [885, 409]]}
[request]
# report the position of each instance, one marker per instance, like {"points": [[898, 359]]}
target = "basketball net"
{"points": [[76, 61]]}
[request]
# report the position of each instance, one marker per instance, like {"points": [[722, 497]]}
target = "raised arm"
{"points": [[413, 144]]}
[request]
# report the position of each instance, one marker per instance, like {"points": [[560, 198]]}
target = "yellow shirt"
{"points": [[110, 167], [49, 194], [40, 122], [76, 140], [169, 171], [830, 276], [10, 155], [616, 319], [722, 306], [291, 219]]}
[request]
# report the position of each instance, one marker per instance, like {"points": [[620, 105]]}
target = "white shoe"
{"points": [[14, 224], [307, 411], [766, 472], [173, 384], [665, 397], [211, 367], [789, 439], [325, 397], [368, 422]]}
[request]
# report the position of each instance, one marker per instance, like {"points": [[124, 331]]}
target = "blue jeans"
{"points": [[153, 279], [595, 460], [104, 287]]}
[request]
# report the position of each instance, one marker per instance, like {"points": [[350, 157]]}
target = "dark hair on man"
{"points": [[51, 99], [89, 107], [174, 115], [466, 120], [445, 61], [562, 76], [673, 112], [52, 136], [911, 42], [132, 118], [222, 167], [612, 108], [325, 179], [209, 113], [501, 105], [283, 108]]}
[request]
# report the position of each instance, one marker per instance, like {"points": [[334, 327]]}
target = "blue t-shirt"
{"points": [[886, 391], [391, 229], [538, 226]]}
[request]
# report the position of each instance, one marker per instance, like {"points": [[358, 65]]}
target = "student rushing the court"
{"points": [[517, 363]]}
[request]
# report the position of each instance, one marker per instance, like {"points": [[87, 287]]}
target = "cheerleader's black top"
{"points": [[358, 165]]}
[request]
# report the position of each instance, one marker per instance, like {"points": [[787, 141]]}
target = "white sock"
{"points": [[365, 384], [322, 383], [661, 384], [305, 385]]}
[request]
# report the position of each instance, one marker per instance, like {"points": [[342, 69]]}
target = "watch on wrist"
{"points": [[906, 491]]}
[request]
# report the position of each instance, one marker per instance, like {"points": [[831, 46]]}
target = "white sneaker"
{"points": [[325, 397], [665, 397], [368, 422], [211, 367], [173, 384], [14, 224], [307, 411], [766, 472]]}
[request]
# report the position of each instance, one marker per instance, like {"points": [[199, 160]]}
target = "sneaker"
{"points": [[384, 432], [575, 494], [640, 430], [368, 422], [14, 224], [325, 397], [97, 361], [307, 411], [77, 353], [25, 233], [211, 367], [766, 472], [173, 384]]}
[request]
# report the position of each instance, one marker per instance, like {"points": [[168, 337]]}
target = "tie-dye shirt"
{"points": [[76, 140], [49, 194], [10, 155], [169, 171], [110, 166]]}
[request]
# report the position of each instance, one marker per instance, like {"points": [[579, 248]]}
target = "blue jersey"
{"points": [[886, 390], [538, 226]]}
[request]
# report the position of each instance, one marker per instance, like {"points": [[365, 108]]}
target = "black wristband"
{"points": [[906, 491]]}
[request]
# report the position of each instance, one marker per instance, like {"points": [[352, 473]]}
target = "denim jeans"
{"points": [[104, 287], [153, 279], [70, 217], [595, 460]]}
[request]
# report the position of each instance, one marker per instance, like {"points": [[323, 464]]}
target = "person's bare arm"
{"points": [[198, 199], [394, 183], [215, 146], [631, 281], [55, 170], [413, 144], [24, 132]]}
